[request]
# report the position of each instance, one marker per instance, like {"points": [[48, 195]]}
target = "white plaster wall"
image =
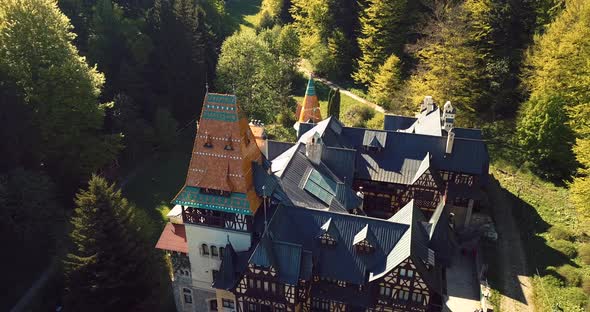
{"points": [[202, 265]]}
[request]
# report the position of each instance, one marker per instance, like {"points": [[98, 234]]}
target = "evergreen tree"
{"points": [[110, 267], [37, 54], [386, 87], [449, 69], [334, 104], [383, 30], [558, 81]]}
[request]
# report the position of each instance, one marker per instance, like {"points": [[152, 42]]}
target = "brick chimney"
{"points": [[314, 148]]}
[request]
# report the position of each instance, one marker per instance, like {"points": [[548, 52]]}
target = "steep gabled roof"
{"points": [[309, 110], [223, 150]]}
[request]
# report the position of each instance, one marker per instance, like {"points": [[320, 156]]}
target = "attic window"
{"points": [[208, 143], [328, 240], [228, 144], [364, 246]]}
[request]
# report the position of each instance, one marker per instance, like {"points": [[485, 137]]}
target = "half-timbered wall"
{"points": [[218, 219], [259, 290], [403, 289]]}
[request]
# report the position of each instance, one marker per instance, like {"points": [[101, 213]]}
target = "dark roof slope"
{"points": [[276, 148], [395, 122], [302, 226]]}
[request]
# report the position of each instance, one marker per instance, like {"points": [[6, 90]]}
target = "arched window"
{"points": [[214, 251], [221, 250], [205, 249]]}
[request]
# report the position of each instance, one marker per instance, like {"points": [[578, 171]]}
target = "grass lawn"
{"points": [[538, 206], [243, 13], [346, 102]]}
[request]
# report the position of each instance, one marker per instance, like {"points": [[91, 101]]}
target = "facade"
{"points": [[344, 219]]}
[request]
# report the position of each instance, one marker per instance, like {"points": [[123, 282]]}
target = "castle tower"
{"points": [[309, 109], [218, 201], [448, 116]]}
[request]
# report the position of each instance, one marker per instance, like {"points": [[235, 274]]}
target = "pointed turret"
{"points": [[309, 109], [221, 162]]}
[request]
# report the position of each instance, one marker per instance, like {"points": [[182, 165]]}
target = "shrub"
{"points": [[584, 252], [586, 284], [376, 122], [565, 247], [559, 232], [571, 275], [358, 115]]}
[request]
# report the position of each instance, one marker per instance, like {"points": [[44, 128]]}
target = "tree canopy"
{"points": [[37, 54]]}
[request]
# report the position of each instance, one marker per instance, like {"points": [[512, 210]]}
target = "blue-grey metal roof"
{"points": [[284, 257], [467, 133], [300, 180], [395, 122], [342, 261], [276, 148], [341, 161]]}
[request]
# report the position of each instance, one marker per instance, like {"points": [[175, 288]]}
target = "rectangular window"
{"points": [[402, 272], [258, 284], [188, 297], [251, 307], [410, 273], [416, 297], [250, 283], [213, 305], [228, 303], [265, 286], [273, 288]]}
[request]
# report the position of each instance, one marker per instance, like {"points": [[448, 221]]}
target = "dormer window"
{"points": [[228, 144], [327, 240], [208, 142], [364, 247], [362, 240]]}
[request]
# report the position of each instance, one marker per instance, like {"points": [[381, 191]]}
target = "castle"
{"points": [[344, 219]]}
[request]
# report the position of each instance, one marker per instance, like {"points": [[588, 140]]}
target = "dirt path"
{"points": [[343, 90], [517, 290]]}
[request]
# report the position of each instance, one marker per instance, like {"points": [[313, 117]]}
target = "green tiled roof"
{"points": [[222, 116], [310, 87], [191, 196], [221, 98]]}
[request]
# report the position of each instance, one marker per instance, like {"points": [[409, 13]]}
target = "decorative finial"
{"points": [[206, 87]]}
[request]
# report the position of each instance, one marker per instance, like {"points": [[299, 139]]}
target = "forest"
{"points": [[90, 89]]}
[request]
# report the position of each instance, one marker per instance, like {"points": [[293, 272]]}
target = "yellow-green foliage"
{"points": [[386, 88], [37, 54], [382, 34], [559, 77]]}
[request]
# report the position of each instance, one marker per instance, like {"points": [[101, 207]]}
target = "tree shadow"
{"points": [[239, 9], [516, 219]]}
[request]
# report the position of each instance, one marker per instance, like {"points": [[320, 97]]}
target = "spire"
{"points": [[309, 109], [223, 150]]}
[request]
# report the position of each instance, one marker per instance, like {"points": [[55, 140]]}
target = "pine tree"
{"points": [[450, 69], [386, 87], [383, 30], [110, 265], [558, 82], [334, 104]]}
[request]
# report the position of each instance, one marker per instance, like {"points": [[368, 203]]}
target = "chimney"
{"points": [[314, 148], [450, 142], [448, 116], [428, 104], [260, 136]]}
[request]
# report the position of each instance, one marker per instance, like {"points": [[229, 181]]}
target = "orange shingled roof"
{"points": [[173, 238], [224, 149]]}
